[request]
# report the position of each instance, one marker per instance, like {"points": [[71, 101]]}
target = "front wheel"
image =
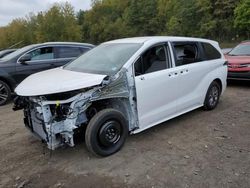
{"points": [[106, 132], [212, 96], [5, 93]]}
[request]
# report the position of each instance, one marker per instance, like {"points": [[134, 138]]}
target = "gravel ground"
{"points": [[198, 149]]}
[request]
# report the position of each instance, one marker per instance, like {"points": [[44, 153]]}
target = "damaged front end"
{"points": [[55, 118], [54, 121]]}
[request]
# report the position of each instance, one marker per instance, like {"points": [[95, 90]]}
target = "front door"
{"points": [[41, 59], [156, 86]]}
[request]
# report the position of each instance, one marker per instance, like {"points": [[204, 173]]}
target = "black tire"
{"points": [[212, 96], [106, 132], [5, 93]]}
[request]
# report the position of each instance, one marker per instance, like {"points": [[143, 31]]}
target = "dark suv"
{"points": [[18, 65]]}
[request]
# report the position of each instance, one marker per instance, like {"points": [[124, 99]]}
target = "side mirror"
{"points": [[23, 59]]}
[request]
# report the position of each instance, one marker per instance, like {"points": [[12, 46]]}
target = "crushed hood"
{"points": [[57, 81]]}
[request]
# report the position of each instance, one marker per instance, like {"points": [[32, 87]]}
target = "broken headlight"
{"points": [[61, 111]]}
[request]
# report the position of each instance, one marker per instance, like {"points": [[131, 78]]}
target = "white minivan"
{"points": [[120, 87]]}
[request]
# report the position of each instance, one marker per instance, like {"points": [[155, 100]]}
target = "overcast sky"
{"points": [[10, 9]]}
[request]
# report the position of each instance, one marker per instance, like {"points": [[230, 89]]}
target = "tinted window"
{"points": [[83, 50], [210, 52], [42, 54], [185, 53], [67, 52], [107, 58], [154, 59]]}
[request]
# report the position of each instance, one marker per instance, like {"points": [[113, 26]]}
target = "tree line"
{"points": [[222, 20]]}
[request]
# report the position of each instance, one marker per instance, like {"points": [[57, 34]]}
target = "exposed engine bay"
{"points": [[54, 118]]}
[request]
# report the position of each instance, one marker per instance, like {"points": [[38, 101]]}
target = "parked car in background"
{"points": [[6, 52], [16, 66], [120, 87], [239, 62], [226, 50]]}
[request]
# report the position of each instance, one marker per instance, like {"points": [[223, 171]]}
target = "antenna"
{"points": [[16, 44]]}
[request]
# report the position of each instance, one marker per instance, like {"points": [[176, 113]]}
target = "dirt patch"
{"points": [[198, 149]]}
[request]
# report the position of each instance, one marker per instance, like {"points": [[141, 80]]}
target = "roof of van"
{"points": [[156, 39]]}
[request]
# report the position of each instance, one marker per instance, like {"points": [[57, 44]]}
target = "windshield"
{"points": [[104, 59], [241, 50], [16, 53]]}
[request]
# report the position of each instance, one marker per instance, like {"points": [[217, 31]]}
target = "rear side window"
{"points": [[210, 52], [186, 53], [68, 52]]}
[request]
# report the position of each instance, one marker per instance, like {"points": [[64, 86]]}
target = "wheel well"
{"points": [[219, 82], [118, 104], [7, 82]]}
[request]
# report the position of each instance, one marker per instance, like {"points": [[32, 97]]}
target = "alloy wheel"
{"points": [[213, 96], [3, 93]]}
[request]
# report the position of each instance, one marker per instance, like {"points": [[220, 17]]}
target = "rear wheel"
{"points": [[5, 93], [212, 96], [106, 132]]}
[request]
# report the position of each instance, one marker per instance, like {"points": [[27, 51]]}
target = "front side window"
{"points": [[107, 58], [154, 59], [185, 53], [42, 54]]}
